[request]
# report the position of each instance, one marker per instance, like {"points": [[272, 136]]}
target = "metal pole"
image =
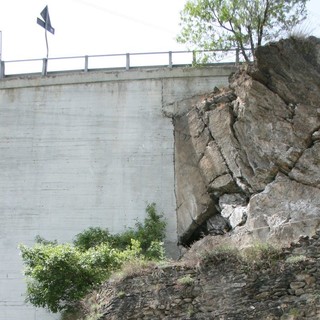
{"points": [[194, 58], [86, 63], [45, 32], [170, 59], [44, 66], [2, 69], [127, 61]]}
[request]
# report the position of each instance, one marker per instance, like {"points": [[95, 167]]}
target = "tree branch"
{"points": [[252, 47], [263, 23], [239, 41], [218, 20]]}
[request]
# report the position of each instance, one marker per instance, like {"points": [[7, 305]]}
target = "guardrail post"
{"points": [[237, 56], [194, 58], [1, 69], [44, 66], [170, 59], [127, 61], [86, 63]]}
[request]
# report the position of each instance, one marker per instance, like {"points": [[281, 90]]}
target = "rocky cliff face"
{"points": [[248, 157]]}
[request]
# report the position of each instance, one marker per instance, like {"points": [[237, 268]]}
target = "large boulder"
{"points": [[285, 210], [249, 155]]}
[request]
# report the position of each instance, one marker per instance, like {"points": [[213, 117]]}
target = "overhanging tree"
{"points": [[238, 24]]}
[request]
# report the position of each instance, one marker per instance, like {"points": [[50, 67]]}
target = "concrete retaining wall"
{"points": [[81, 150]]}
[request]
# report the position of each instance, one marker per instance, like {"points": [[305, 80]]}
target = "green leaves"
{"points": [[59, 275], [242, 24], [152, 229], [92, 237]]}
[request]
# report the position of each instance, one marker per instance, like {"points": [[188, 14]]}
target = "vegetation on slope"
{"points": [[60, 275]]}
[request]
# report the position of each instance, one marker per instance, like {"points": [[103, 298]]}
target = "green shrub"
{"points": [[150, 234], [153, 228], [41, 240], [122, 240], [91, 238], [155, 251], [59, 275]]}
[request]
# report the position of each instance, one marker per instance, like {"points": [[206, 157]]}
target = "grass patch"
{"points": [[296, 259], [133, 268], [187, 280], [257, 256], [261, 255]]}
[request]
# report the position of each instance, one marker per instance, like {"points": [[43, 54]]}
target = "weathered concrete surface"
{"points": [[81, 150]]}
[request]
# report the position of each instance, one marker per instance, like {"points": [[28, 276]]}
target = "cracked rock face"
{"points": [[247, 157]]}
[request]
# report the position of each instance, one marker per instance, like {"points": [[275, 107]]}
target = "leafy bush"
{"points": [[91, 238], [155, 251], [41, 240], [150, 234], [59, 275], [153, 228]]}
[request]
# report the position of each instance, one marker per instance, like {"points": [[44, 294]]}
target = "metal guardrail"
{"points": [[126, 63]]}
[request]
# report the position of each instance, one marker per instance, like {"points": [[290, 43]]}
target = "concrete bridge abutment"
{"points": [[86, 149]]}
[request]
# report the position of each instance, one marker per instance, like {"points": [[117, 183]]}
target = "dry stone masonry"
{"points": [[221, 288], [247, 157]]}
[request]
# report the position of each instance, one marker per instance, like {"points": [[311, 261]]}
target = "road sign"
{"points": [[45, 23]]}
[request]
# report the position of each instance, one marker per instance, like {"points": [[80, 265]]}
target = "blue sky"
{"points": [[88, 27]]}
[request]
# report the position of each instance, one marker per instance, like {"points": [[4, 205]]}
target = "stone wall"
{"points": [[221, 288]]}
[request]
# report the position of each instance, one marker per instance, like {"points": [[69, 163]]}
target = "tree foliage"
{"points": [[59, 275], [151, 230], [238, 24]]}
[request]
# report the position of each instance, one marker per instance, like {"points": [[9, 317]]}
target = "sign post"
{"points": [[46, 24]]}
